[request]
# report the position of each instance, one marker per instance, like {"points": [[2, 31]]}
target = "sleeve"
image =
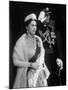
{"points": [[18, 51], [18, 55]]}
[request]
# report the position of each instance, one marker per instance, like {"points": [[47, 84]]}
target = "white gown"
{"points": [[38, 78]]}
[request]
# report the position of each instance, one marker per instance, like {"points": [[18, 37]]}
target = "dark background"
{"points": [[17, 13]]}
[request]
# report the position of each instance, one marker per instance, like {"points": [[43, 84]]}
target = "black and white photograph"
{"points": [[37, 44]]}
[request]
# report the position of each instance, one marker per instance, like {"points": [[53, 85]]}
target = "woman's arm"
{"points": [[19, 55], [19, 60], [20, 63]]}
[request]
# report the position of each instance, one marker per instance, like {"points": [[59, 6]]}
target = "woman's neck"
{"points": [[30, 36], [31, 41]]}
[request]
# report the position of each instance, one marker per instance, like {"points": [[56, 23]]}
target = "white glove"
{"points": [[59, 63]]}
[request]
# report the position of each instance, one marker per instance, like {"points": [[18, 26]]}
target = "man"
{"points": [[53, 47]]}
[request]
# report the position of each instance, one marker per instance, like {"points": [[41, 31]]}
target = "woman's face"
{"points": [[32, 27]]}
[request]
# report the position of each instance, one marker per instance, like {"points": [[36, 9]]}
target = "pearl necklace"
{"points": [[31, 41]]}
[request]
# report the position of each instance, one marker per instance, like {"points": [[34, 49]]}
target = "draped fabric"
{"points": [[37, 78], [21, 55]]}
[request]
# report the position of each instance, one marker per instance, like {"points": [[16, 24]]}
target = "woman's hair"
{"points": [[28, 22]]}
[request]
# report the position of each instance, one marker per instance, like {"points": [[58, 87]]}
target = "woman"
{"points": [[28, 56]]}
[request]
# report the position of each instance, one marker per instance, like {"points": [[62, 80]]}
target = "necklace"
{"points": [[31, 41]]}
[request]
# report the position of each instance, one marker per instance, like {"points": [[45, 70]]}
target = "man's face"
{"points": [[47, 18], [32, 27]]}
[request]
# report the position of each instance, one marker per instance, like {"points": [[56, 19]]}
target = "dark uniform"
{"points": [[53, 50]]}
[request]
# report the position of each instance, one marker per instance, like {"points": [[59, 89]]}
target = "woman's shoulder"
{"points": [[21, 40], [38, 37], [40, 43]]}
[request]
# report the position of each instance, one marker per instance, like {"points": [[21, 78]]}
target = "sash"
{"points": [[37, 52], [34, 58]]}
